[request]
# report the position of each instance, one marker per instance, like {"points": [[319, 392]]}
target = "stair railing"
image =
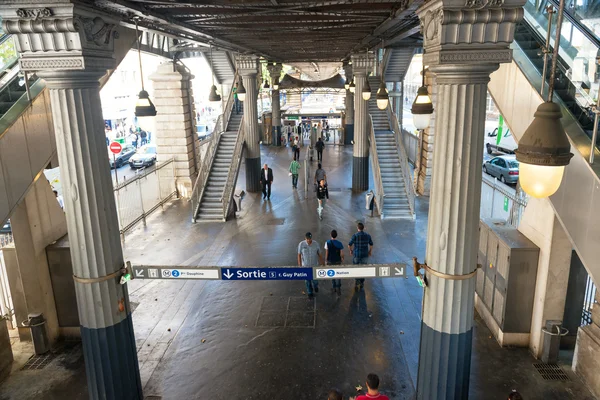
{"points": [[379, 192], [405, 167], [232, 174]]}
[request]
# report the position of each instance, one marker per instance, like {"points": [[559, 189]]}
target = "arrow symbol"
{"points": [[228, 275], [399, 271], [139, 273]]}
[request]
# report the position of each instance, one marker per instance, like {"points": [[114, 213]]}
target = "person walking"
{"points": [[361, 247], [372, 389], [319, 146], [322, 195], [309, 256], [266, 179], [236, 100], [294, 169], [320, 174], [296, 148], [334, 255]]}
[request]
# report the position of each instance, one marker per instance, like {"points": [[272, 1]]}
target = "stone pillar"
{"points": [[462, 72], [71, 48], [361, 66], [424, 161], [274, 72], [248, 68], [586, 362], [175, 124], [349, 127]]}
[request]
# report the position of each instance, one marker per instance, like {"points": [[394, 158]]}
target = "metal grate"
{"points": [[551, 372], [38, 362]]}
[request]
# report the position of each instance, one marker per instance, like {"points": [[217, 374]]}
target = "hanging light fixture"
{"points": [[544, 149], [276, 84], [266, 86], [352, 87], [213, 96], [366, 90], [143, 106], [241, 91], [346, 84], [382, 96], [422, 107]]}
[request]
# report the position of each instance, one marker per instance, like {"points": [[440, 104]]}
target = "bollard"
{"points": [[39, 337]]}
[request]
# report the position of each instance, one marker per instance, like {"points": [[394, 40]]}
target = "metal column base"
{"points": [[276, 135], [444, 365], [253, 167], [360, 174], [111, 362]]}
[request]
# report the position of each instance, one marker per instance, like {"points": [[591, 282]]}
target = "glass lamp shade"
{"points": [[543, 152], [383, 97], [276, 84], [241, 91], [346, 85], [540, 181], [144, 106], [366, 91], [382, 103], [352, 87], [214, 96], [421, 121]]}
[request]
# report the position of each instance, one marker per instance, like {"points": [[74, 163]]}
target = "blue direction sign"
{"points": [[266, 274]]}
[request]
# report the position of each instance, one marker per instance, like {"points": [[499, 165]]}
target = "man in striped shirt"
{"points": [[294, 169]]}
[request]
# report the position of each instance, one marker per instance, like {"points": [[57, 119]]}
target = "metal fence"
{"points": [[138, 197], [501, 201], [411, 144], [589, 301]]}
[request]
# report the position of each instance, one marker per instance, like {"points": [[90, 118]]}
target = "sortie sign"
{"points": [[115, 147]]}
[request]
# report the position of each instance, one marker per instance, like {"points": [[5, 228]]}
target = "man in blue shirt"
{"points": [[334, 255], [361, 246]]}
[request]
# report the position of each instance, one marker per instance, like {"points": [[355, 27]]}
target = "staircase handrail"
{"points": [[229, 105], [404, 164], [232, 173], [203, 173], [379, 192]]}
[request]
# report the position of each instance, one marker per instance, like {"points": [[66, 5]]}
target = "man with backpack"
{"points": [[319, 146], [334, 255]]}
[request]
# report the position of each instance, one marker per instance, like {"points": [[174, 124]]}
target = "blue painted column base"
{"points": [[360, 174], [111, 362], [444, 365], [276, 135], [348, 133], [253, 168]]}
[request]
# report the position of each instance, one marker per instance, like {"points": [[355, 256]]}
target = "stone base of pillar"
{"points": [[360, 174], [6, 354], [587, 359], [450, 350], [253, 167], [109, 359], [185, 186], [276, 134], [348, 134]]}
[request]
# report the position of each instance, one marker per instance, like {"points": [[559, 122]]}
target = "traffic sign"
{"points": [[115, 147], [255, 274]]}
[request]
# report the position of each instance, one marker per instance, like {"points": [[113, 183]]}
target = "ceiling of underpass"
{"points": [[287, 31]]}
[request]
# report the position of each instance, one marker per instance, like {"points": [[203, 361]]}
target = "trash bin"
{"points": [[553, 331], [370, 199], [37, 326]]}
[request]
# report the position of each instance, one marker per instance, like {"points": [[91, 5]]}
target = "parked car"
{"points": [[122, 158], [6, 228], [144, 157], [505, 168]]}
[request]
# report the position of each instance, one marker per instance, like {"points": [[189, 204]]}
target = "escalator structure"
{"points": [[515, 88], [27, 142]]}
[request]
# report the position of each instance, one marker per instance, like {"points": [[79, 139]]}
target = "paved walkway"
{"points": [[255, 340]]}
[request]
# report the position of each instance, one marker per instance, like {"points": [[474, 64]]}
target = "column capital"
{"points": [[61, 37], [362, 64], [469, 31], [247, 65], [274, 70]]}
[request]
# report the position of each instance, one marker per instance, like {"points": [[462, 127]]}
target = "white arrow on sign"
{"points": [[399, 271], [228, 275], [139, 273]]}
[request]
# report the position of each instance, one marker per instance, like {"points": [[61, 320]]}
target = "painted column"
{"points": [[71, 48], [248, 68], [274, 72], [462, 74], [349, 127], [360, 162]]}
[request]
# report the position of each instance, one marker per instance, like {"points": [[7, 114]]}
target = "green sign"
{"points": [[505, 203], [500, 126], [292, 117]]}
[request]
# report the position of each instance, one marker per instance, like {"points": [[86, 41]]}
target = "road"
{"points": [[123, 173]]}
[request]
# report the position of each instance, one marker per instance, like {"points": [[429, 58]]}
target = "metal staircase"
{"points": [[397, 63], [393, 197]]}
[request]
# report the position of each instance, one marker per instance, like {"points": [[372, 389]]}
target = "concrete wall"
{"points": [[586, 362], [36, 222], [6, 355], [541, 226]]}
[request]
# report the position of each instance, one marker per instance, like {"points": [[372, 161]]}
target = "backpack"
{"points": [[334, 252]]}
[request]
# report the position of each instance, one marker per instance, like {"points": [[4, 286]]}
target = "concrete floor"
{"points": [[254, 340]]}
